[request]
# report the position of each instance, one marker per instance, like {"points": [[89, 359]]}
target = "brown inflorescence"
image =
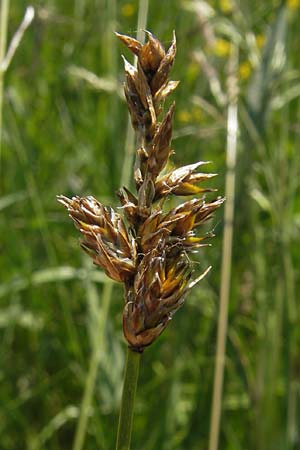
{"points": [[148, 250]]}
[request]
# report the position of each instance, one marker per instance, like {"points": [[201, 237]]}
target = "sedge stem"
{"points": [[127, 405]]}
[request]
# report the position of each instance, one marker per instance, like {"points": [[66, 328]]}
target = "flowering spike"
{"points": [[148, 252]]}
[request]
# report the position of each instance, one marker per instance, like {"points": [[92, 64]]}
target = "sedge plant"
{"points": [[145, 246]]}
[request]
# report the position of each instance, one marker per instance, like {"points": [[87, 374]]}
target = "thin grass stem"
{"points": [[39, 212], [97, 346], [6, 58], [127, 405], [232, 130], [3, 40], [17, 38]]}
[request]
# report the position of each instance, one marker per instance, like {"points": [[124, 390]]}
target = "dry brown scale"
{"points": [[148, 249]]}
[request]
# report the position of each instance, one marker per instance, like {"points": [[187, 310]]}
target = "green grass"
{"points": [[61, 134]]}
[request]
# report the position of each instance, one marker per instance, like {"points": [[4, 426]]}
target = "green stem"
{"points": [[87, 399], [3, 39], [98, 343], [232, 136], [129, 389]]}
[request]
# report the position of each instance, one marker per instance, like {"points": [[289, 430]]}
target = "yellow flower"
{"points": [[293, 4], [226, 6], [197, 114], [184, 116], [222, 48], [260, 40], [128, 10], [245, 70]]}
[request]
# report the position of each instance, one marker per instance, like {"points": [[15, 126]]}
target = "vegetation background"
{"points": [[64, 131]]}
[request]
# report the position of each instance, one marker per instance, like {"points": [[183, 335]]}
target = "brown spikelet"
{"points": [[105, 236], [151, 55], [162, 73], [161, 148], [148, 251], [131, 43], [182, 181]]}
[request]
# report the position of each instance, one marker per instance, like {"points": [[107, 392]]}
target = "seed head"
{"points": [[149, 251], [105, 236]]}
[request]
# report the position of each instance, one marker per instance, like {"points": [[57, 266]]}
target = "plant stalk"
{"points": [[97, 347], [3, 40], [232, 132], [127, 405], [97, 352], [133, 358]]}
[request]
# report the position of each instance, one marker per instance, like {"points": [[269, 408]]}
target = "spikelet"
{"points": [[149, 255]]}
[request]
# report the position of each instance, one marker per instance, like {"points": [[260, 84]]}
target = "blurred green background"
{"points": [[64, 131]]}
